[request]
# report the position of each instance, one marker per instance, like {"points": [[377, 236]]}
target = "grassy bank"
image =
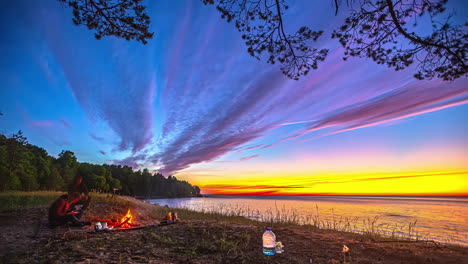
{"points": [[201, 237], [113, 207], [107, 205], [23, 200]]}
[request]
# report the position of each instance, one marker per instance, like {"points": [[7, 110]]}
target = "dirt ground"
{"points": [[26, 239]]}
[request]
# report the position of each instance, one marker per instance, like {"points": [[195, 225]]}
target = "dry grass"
{"points": [[22, 200], [371, 227], [107, 206]]}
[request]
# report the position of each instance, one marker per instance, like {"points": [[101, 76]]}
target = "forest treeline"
{"points": [[26, 167]]}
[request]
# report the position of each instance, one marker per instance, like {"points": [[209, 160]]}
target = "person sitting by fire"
{"points": [[61, 212], [79, 187]]}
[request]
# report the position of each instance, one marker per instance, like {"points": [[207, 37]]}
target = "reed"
{"points": [[371, 227]]}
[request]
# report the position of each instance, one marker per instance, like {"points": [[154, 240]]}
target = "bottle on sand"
{"points": [[269, 242]]}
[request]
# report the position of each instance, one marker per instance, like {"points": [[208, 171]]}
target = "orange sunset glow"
{"points": [[430, 184], [430, 171]]}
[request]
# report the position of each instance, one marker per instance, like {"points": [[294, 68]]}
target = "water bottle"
{"points": [[269, 242]]}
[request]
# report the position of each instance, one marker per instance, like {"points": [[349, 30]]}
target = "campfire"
{"points": [[127, 221]]}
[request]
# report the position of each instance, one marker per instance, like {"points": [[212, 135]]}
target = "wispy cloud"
{"points": [[215, 98], [123, 98], [407, 101], [66, 123], [249, 157], [253, 147], [243, 186], [42, 123], [366, 178], [97, 138]]}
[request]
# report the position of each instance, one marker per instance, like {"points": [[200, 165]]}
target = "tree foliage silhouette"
{"points": [[26, 167], [121, 18], [262, 28], [374, 29]]}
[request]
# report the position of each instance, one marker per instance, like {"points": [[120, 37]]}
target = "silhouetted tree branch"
{"points": [[376, 30], [262, 28], [121, 18]]}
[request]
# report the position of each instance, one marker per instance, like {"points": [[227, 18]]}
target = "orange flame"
{"points": [[127, 216], [127, 220]]}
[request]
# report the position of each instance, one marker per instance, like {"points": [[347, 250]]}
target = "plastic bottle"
{"points": [[269, 242]]}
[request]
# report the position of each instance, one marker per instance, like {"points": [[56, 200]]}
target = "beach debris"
{"points": [[175, 217], [345, 249], [279, 247], [170, 218], [345, 253], [98, 226]]}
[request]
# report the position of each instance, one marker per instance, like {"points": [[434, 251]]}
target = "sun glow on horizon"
{"points": [[409, 184], [424, 171]]}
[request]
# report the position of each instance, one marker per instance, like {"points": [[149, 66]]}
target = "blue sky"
{"points": [[193, 97]]}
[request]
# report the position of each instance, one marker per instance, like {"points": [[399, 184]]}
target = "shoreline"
{"points": [[198, 238], [395, 223]]}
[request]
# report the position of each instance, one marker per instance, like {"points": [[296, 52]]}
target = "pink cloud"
{"points": [[42, 123], [65, 123]]}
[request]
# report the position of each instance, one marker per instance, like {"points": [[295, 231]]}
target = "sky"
{"points": [[194, 104]]}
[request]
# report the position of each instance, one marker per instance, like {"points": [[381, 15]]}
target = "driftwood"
{"points": [[130, 228]]}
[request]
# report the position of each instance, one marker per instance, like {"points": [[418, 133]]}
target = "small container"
{"points": [[269, 242], [279, 247], [98, 226], [168, 216]]}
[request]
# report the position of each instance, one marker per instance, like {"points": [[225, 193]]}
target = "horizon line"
{"points": [[376, 195]]}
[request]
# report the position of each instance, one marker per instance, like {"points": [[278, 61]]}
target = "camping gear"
{"points": [[175, 217], [166, 222], [279, 247], [168, 216], [269, 242]]}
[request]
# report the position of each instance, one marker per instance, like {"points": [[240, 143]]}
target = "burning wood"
{"points": [[126, 222]]}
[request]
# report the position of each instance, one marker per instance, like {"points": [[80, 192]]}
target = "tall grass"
{"points": [[370, 227], [15, 200]]}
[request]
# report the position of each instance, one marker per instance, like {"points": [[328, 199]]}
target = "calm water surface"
{"points": [[443, 219]]}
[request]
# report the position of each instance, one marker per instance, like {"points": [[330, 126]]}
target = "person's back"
{"points": [[60, 211], [59, 208], [79, 188]]}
